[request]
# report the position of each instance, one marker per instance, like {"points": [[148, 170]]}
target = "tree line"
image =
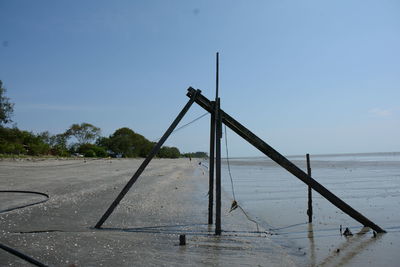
{"points": [[79, 139]]}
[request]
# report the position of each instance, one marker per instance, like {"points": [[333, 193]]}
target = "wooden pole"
{"points": [[218, 135], [217, 78], [218, 170], [309, 210], [211, 169]]}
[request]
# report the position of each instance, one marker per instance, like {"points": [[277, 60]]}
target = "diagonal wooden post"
{"points": [[144, 164], [284, 162]]}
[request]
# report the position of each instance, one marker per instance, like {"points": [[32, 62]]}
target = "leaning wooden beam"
{"points": [[284, 162], [144, 164]]}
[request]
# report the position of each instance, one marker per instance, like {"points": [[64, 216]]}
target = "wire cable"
{"points": [[234, 203], [185, 125], [249, 218], [12, 250], [229, 166], [21, 255], [25, 192]]}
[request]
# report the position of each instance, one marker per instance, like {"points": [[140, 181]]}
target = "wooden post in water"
{"points": [[218, 136], [218, 169], [309, 210], [211, 169]]}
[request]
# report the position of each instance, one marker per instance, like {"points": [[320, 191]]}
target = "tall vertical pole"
{"points": [[309, 210], [218, 170], [211, 169], [217, 78], [218, 135]]}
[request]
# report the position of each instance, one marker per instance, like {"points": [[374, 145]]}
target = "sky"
{"points": [[316, 77]]}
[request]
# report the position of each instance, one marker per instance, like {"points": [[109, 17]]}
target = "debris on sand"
{"points": [[347, 232], [234, 206]]}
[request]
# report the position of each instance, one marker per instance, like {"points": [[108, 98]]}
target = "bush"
{"points": [[169, 152], [38, 149], [90, 154], [198, 154], [90, 149], [15, 141], [100, 152], [10, 148], [59, 150]]}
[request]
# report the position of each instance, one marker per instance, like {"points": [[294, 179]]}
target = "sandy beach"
{"points": [[169, 199]]}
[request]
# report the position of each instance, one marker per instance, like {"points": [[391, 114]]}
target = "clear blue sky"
{"points": [[306, 76]]}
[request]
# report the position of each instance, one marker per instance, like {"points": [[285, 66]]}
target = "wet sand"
{"points": [[370, 183], [169, 199]]}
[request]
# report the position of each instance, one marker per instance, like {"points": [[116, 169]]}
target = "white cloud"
{"points": [[380, 112]]}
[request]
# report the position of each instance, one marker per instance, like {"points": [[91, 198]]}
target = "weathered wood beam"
{"points": [[284, 162], [218, 137], [144, 164]]}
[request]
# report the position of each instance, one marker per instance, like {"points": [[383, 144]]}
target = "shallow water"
{"points": [[370, 183]]}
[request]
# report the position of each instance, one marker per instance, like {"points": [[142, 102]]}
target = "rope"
{"points": [[25, 192], [185, 125], [12, 250], [235, 205], [248, 218], [229, 166], [22, 255]]}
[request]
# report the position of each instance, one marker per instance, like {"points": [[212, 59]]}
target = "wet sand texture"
{"points": [[170, 199], [370, 183]]}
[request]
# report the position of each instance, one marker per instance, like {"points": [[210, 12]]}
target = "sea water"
{"points": [[277, 200]]}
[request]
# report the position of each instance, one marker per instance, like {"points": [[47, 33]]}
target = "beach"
{"points": [[169, 199], [369, 182]]}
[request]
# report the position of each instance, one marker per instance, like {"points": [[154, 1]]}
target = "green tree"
{"points": [[6, 107], [59, 146], [15, 141], [57, 143], [90, 150], [127, 143], [169, 152], [103, 142], [84, 132], [146, 148], [197, 154]]}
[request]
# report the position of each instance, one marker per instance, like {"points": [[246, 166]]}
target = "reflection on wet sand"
{"points": [[353, 246], [310, 236]]}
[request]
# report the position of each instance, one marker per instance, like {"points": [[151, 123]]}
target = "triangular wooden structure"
{"points": [[218, 117]]}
